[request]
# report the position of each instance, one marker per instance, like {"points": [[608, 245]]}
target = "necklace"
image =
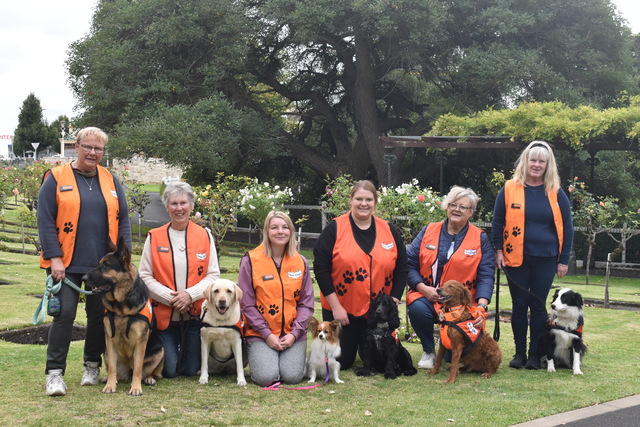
{"points": [[89, 185]]}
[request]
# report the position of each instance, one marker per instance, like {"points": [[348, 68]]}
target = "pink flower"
{"points": [[16, 192], [420, 198], [198, 215]]}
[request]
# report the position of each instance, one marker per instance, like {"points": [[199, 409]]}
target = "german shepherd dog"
{"points": [[133, 349]]}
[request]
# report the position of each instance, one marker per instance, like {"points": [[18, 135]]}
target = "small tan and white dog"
{"points": [[325, 349], [222, 347]]}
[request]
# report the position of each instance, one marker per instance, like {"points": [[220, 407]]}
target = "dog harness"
{"points": [[450, 318], [237, 327], [146, 314], [68, 201], [552, 324], [513, 234], [462, 265], [357, 275]]}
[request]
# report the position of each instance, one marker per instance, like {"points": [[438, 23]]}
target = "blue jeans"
{"points": [[534, 275], [181, 343], [423, 316]]}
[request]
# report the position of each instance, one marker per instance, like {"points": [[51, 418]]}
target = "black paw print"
{"points": [[200, 270], [508, 248], [428, 280], [296, 293], [374, 296], [505, 235], [341, 289], [361, 275], [274, 309], [387, 281], [469, 284], [117, 215], [68, 227], [348, 277], [260, 309], [516, 231]]}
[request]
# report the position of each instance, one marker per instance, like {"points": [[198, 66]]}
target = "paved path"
{"points": [[623, 412]]}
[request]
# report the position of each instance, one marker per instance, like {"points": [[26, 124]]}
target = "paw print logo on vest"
{"points": [[274, 309], [361, 274], [341, 289], [508, 247], [260, 309], [117, 215], [387, 281], [200, 270], [296, 293], [516, 231], [505, 235], [68, 227], [374, 296], [347, 276]]}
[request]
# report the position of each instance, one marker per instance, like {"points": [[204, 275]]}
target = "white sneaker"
{"points": [[55, 383], [427, 360], [91, 374]]}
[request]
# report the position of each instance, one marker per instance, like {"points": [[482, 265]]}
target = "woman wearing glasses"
{"points": [[452, 249], [81, 205], [532, 232]]}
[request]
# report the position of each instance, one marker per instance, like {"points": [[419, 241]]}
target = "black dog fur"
{"points": [[383, 352]]}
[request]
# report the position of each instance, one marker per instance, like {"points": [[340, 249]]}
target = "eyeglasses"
{"points": [[89, 148], [462, 208]]}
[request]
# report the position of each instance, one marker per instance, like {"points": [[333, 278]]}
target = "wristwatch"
{"points": [[483, 306]]}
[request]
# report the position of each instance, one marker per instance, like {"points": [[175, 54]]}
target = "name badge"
{"points": [[267, 277], [431, 247], [470, 252], [64, 188], [201, 256], [163, 249], [387, 246], [516, 206], [295, 274]]}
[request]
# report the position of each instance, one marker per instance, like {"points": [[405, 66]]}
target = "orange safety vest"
{"points": [[68, 201], [450, 318], [462, 266], [277, 292], [198, 247], [357, 276], [513, 233]]}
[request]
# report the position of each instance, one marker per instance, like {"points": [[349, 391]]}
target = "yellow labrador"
{"points": [[221, 343]]}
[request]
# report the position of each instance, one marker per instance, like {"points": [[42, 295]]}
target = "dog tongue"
{"points": [[222, 310]]}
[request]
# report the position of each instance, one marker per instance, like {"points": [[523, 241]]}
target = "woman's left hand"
{"points": [[287, 341], [562, 270], [181, 301]]}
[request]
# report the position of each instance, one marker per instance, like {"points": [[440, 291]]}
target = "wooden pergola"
{"points": [[496, 142]]}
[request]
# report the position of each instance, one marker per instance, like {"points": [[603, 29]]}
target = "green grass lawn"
{"points": [[510, 396]]}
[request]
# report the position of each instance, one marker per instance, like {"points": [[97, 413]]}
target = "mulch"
{"points": [[38, 334]]}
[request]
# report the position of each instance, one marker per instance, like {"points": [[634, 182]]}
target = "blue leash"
{"points": [[51, 289]]}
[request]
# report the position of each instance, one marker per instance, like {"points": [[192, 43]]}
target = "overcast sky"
{"points": [[34, 39]]}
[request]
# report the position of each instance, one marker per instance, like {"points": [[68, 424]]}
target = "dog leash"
{"points": [[496, 328], [277, 385], [52, 288]]}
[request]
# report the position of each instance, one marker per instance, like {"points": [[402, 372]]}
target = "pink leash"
{"points": [[276, 386]]}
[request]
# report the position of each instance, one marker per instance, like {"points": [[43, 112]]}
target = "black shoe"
{"points": [[518, 361], [533, 362]]}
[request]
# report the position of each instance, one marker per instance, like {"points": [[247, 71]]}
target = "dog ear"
{"points": [[123, 252], [313, 324], [394, 318], [207, 290], [238, 292], [466, 296], [112, 246], [336, 326]]}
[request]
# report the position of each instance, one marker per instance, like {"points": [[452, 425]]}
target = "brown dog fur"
{"points": [[136, 353], [485, 356]]}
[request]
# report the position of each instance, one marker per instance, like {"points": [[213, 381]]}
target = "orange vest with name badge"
{"points": [[358, 277], [462, 266], [197, 245]]}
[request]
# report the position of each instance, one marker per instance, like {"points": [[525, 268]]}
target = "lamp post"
{"points": [[62, 133], [35, 150]]}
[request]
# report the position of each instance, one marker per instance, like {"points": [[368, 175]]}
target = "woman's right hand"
{"points": [[340, 314], [429, 292], [57, 269], [500, 260], [274, 342]]}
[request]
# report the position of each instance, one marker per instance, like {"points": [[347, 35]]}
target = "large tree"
{"points": [[323, 79], [31, 127]]}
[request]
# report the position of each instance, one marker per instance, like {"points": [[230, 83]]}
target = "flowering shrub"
{"points": [[257, 200], [408, 206], [217, 205]]}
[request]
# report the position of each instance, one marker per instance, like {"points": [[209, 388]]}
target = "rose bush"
{"points": [[258, 199]]}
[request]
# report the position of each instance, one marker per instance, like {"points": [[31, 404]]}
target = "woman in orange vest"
{"points": [[532, 232], [453, 249], [179, 261], [75, 224], [277, 303], [357, 257]]}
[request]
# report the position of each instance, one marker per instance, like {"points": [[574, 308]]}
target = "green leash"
{"points": [[51, 289]]}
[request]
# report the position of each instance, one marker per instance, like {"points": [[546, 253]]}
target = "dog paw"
{"points": [[577, 372], [109, 389], [390, 375], [433, 371], [150, 381], [242, 382], [134, 391], [203, 380], [363, 372], [551, 369]]}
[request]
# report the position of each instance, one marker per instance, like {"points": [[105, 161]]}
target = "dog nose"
{"points": [[553, 306]]}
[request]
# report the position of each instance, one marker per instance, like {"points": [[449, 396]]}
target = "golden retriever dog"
{"points": [[221, 343], [477, 350]]}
